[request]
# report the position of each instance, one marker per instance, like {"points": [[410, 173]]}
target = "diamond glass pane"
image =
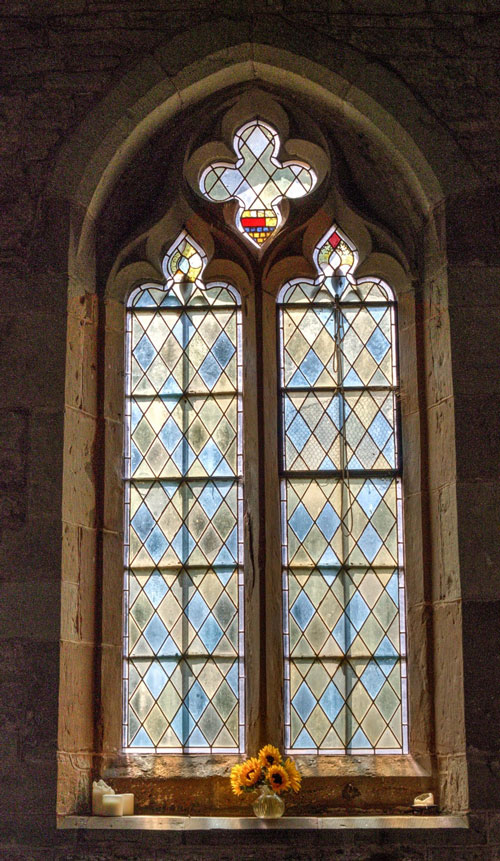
{"points": [[184, 582], [343, 588]]}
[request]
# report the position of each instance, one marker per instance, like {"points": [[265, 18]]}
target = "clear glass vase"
{"points": [[268, 805]]}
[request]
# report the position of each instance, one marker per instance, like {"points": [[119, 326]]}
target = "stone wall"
{"points": [[433, 64]]}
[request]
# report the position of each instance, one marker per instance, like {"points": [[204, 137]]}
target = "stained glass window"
{"points": [[183, 645], [258, 181], [344, 635]]}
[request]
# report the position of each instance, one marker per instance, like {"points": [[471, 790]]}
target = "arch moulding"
{"points": [[147, 98], [85, 175]]}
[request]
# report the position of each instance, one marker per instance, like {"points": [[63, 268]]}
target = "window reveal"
{"points": [[344, 636], [183, 644]]}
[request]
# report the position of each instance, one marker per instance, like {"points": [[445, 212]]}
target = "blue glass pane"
{"points": [[380, 430], [155, 589], [344, 632], [360, 740], [210, 499], [183, 456], [304, 741], [210, 634], [368, 498], [143, 522], [156, 679], [370, 542], [223, 349], [352, 379], [357, 611], [170, 435], [378, 345], [299, 433], [136, 416], [196, 700], [182, 724], [328, 521], [301, 522], [144, 352], [210, 371], [156, 544], [197, 611], [335, 412], [392, 588], [142, 739], [232, 678], [145, 300], [210, 457], [311, 367], [171, 387], [302, 611], [135, 458], [298, 381], [331, 702], [373, 679], [304, 702], [155, 633]]}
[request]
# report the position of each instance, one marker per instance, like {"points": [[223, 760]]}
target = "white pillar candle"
{"points": [[99, 788], [128, 803], [112, 805], [424, 800]]}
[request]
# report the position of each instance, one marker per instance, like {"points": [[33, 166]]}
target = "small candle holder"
{"points": [[112, 805], [423, 805]]}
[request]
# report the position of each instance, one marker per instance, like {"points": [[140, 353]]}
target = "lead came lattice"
{"points": [[344, 638], [183, 655]]}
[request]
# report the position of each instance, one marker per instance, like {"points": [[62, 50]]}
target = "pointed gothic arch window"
{"points": [[92, 720], [343, 673]]}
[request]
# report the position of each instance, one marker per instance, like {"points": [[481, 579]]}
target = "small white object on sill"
{"points": [[128, 803], [99, 788], [106, 802], [112, 805], [424, 800]]}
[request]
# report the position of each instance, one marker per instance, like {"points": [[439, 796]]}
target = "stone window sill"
{"points": [[237, 823]]}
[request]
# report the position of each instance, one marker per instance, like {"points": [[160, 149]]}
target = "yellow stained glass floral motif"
{"points": [[183, 265]]}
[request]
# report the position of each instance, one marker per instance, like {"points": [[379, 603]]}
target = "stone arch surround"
{"points": [[366, 96], [82, 183], [83, 192]]}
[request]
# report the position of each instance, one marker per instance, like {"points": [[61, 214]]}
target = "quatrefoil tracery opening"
{"points": [[258, 181]]}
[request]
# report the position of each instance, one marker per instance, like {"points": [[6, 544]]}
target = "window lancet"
{"points": [[183, 643], [343, 592], [258, 181]]}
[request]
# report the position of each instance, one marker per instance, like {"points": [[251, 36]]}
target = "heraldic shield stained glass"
{"points": [[258, 181], [344, 636], [183, 645]]}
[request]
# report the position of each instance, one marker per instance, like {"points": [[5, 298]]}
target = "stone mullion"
{"points": [[273, 562], [252, 492]]}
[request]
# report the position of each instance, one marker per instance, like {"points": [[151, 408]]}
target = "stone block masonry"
{"points": [[59, 59]]}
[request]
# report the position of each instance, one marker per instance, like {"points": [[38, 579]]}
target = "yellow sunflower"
{"points": [[293, 774], [278, 778], [269, 755], [250, 772], [236, 780]]}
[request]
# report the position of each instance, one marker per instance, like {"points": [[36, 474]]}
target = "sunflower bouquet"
{"points": [[268, 768]]}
